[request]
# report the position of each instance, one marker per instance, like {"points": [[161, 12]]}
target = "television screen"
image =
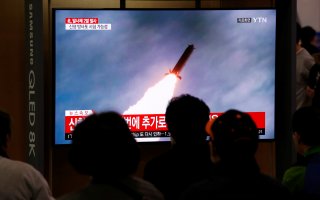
{"points": [[134, 61]]}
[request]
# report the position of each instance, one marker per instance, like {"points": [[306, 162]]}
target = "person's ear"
{"points": [[296, 137]]}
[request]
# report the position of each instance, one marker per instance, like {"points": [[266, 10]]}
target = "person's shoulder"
{"points": [[141, 182], [70, 196], [293, 173], [160, 160], [25, 172], [303, 52], [26, 176], [273, 187], [269, 180], [203, 189], [17, 166], [225, 187], [203, 184], [147, 189]]}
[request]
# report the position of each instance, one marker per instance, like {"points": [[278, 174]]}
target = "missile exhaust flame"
{"points": [[156, 98]]}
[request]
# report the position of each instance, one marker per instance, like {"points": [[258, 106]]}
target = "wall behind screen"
{"points": [[12, 74]]}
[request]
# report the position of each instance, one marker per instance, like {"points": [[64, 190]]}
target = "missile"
{"points": [[182, 61]]}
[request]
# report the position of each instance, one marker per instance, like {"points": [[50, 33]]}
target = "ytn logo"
{"points": [[252, 20]]}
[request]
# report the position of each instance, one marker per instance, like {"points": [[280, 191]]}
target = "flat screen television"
{"points": [[134, 61]]}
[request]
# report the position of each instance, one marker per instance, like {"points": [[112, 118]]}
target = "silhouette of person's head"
{"points": [[186, 118], [305, 122], [103, 147], [235, 136], [5, 132], [308, 35]]}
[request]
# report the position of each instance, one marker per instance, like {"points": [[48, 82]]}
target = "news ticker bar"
{"points": [[153, 134], [146, 125]]}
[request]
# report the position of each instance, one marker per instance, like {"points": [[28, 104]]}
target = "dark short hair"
{"points": [[235, 134], [103, 145], [186, 118], [307, 34], [306, 122], [5, 128]]}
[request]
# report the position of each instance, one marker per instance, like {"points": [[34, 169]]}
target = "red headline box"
{"points": [[258, 117], [145, 122], [82, 20], [73, 117], [156, 122]]}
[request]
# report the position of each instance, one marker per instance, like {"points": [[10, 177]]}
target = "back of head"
{"points": [[5, 131], [307, 34], [235, 136], [103, 146], [306, 122], [186, 118]]}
